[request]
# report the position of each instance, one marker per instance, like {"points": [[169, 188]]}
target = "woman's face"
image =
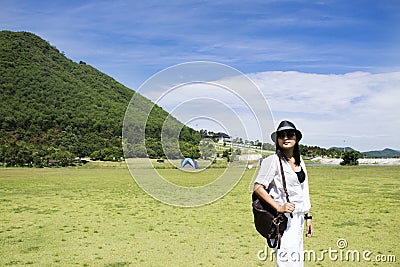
{"points": [[287, 139]]}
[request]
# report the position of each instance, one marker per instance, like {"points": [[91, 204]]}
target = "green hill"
{"points": [[53, 109], [386, 153]]}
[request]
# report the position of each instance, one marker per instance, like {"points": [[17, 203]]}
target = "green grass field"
{"points": [[96, 215]]}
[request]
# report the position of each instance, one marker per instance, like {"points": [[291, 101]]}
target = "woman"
{"points": [[269, 178]]}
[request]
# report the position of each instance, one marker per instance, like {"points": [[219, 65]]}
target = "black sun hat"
{"points": [[286, 125]]}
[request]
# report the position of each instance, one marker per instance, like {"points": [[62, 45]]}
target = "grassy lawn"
{"points": [[96, 215]]}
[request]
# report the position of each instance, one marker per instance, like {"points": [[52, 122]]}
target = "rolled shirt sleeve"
{"points": [[268, 171]]}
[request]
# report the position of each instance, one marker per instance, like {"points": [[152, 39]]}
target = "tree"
{"points": [[207, 148], [350, 157], [58, 157], [226, 153]]}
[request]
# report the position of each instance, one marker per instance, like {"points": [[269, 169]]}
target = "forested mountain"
{"points": [[386, 153], [53, 109]]}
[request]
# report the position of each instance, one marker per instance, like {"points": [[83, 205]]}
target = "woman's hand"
{"points": [[309, 228], [287, 207]]}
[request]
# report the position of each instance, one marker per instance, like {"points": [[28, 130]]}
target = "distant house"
{"points": [[222, 138], [218, 137]]}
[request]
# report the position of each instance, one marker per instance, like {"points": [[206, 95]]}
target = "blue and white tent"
{"points": [[189, 163]]}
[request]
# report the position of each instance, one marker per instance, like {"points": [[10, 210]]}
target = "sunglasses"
{"points": [[288, 134]]}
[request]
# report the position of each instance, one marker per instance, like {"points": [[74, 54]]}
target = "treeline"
{"points": [[54, 110], [349, 156], [316, 151], [305, 151]]}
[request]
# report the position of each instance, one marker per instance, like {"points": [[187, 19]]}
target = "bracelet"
{"points": [[307, 217]]}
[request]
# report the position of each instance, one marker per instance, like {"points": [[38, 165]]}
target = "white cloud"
{"points": [[216, 93], [355, 109]]}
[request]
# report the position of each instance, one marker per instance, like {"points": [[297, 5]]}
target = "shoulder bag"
{"points": [[268, 222]]}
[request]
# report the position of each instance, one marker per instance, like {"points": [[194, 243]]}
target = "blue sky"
{"points": [[311, 42]]}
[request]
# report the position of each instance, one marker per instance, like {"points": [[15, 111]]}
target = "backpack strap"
{"points": [[284, 181]]}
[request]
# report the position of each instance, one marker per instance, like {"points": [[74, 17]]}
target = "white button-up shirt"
{"points": [[269, 175]]}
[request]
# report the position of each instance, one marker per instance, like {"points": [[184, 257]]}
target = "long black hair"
{"points": [[296, 153]]}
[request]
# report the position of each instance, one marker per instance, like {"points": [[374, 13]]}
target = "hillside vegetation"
{"points": [[385, 153], [53, 109]]}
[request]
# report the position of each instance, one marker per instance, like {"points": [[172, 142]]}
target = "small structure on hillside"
{"points": [[223, 138], [219, 137]]}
